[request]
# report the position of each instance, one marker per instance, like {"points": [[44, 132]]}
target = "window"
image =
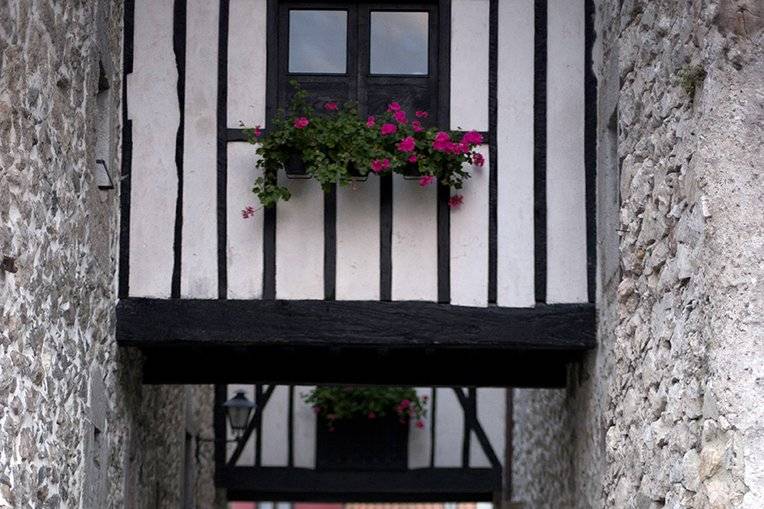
{"points": [[365, 52], [399, 42], [318, 41]]}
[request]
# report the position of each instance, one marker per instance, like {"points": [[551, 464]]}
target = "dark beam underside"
{"points": [[296, 484], [228, 341]]}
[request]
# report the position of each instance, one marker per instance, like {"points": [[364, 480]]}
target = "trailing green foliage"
{"points": [[335, 146], [334, 403]]}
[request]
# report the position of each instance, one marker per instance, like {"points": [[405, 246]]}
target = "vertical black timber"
{"points": [[222, 150], [330, 242], [386, 237], [433, 411], [271, 98], [259, 403], [127, 154], [444, 245], [467, 436], [493, 182], [290, 428], [219, 430], [444, 120], [508, 445], [539, 147], [590, 150], [179, 48]]}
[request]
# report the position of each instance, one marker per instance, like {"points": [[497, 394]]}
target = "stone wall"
{"points": [[77, 428], [669, 412]]}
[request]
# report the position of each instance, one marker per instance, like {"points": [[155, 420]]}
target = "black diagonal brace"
{"points": [[472, 424], [251, 426]]}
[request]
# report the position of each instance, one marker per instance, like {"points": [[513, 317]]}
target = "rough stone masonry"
{"points": [[669, 412], [77, 428]]}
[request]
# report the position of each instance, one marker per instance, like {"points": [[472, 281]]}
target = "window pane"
{"points": [[318, 41], [399, 42]]}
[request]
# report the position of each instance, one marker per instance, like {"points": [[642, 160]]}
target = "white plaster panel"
{"points": [[247, 458], [469, 64], [153, 107], [275, 434], [514, 132], [300, 241], [491, 414], [198, 274], [420, 443], [415, 241], [469, 239], [449, 429], [358, 240], [245, 236], [566, 201], [247, 51], [304, 430]]}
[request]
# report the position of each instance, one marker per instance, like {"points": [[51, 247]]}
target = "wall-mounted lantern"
{"points": [[238, 409]]}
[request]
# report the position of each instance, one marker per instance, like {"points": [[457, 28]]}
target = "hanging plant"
{"points": [[335, 146], [335, 403]]}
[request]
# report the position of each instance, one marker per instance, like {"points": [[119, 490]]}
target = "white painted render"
{"points": [[449, 429], [300, 241], [566, 210], [469, 239], [152, 98], [275, 431], [247, 52], [198, 268], [469, 64], [514, 132], [415, 241], [358, 241], [245, 237]]}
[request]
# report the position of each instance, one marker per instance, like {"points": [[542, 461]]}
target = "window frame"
{"points": [[358, 69]]}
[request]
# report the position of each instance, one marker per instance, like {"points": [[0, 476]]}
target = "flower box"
{"points": [[363, 444], [336, 147]]}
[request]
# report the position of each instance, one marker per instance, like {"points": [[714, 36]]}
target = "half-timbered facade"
{"points": [[498, 291], [379, 282]]}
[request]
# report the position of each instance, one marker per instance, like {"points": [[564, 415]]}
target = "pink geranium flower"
{"points": [[426, 180], [394, 106], [331, 106], [442, 142], [388, 129], [478, 159], [400, 117], [258, 131], [380, 165], [420, 423], [405, 404], [247, 212], [407, 144], [416, 125], [371, 121], [455, 201], [422, 114], [301, 122], [412, 158], [472, 138], [372, 415]]}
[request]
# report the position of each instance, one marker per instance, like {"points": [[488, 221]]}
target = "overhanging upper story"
{"points": [[345, 286]]}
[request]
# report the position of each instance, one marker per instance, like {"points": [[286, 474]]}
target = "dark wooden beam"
{"points": [[357, 366], [366, 324], [298, 484]]}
